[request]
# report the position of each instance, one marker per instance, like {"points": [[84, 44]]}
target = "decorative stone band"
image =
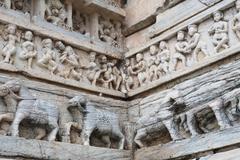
{"points": [[187, 147], [40, 27], [174, 65], [55, 150]]}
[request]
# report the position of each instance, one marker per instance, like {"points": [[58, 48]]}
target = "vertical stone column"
{"points": [[69, 13], [8, 4], [38, 8], [94, 23]]}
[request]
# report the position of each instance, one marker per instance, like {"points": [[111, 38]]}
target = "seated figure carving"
{"points": [[219, 32], [105, 122]]}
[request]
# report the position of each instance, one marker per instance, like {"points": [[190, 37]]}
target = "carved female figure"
{"points": [[194, 43], [181, 50], [219, 32], [117, 78], [236, 20], [108, 77], [129, 79], [48, 59], [10, 48], [152, 71], [92, 69], [163, 57], [141, 69], [28, 51], [70, 61]]}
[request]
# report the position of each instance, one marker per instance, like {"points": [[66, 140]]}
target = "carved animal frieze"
{"points": [[95, 119]]}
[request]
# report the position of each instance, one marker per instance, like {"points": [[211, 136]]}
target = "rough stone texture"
{"points": [[34, 149]]}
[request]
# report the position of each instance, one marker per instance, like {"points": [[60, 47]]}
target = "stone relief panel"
{"points": [[110, 31], [196, 43], [201, 105], [41, 55], [34, 115], [23, 6], [57, 14]]}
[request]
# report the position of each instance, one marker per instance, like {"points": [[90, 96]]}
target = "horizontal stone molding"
{"points": [[35, 149], [40, 27], [104, 7], [62, 81], [186, 71], [198, 144], [172, 31], [191, 8]]}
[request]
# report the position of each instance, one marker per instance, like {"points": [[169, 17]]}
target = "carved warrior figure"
{"points": [[182, 50], [219, 32], [236, 20], [10, 49], [105, 122], [31, 108], [195, 44], [28, 49], [172, 103], [48, 59]]}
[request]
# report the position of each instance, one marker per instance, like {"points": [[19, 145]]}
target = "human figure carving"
{"points": [[219, 32], [163, 57], [105, 122], [10, 49], [92, 69], [28, 49], [117, 77], [236, 20], [195, 44], [182, 50], [140, 69], [56, 13], [80, 23], [70, 61], [31, 108], [129, 82], [48, 59]]}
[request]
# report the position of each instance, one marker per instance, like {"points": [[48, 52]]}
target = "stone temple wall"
{"points": [[119, 80]]}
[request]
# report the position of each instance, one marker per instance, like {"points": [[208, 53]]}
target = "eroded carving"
{"points": [[56, 13], [29, 107], [219, 32], [28, 49], [9, 50], [105, 122]]}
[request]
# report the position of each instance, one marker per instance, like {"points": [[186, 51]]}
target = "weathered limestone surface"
{"points": [[191, 146], [34, 149]]}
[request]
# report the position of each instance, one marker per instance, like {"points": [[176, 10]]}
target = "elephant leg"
{"points": [[15, 125], [54, 125], [169, 124], [106, 140], [121, 137], [86, 134], [41, 133], [192, 124], [141, 133], [9, 117]]}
